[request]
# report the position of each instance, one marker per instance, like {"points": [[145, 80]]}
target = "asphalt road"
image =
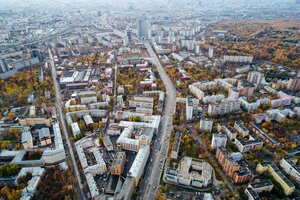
{"points": [[68, 147], [158, 154]]}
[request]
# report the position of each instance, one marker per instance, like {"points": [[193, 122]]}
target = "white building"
{"points": [[233, 93], [137, 168], [100, 167], [224, 107], [288, 164], [240, 127], [88, 100], [88, 120], [32, 111], [142, 28], [206, 125], [218, 140], [190, 172], [210, 52], [256, 77], [56, 154], [196, 91], [75, 128], [248, 106], [44, 136], [189, 108], [26, 139], [213, 98], [36, 173]]}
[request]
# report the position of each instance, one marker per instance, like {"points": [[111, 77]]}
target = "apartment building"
{"points": [[287, 186], [118, 164], [141, 102], [226, 161], [288, 164], [218, 140], [233, 93], [240, 127], [26, 139], [254, 189], [189, 108], [223, 108], [246, 88], [137, 168], [228, 130], [213, 98], [264, 136], [248, 106], [256, 77], [190, 172], [176, 145], [231, 167], [294, 84], [254, 143], [206, 125], [196, 91], [126, 142]]}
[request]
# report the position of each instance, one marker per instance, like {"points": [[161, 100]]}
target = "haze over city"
{"points": [[149, 100]]}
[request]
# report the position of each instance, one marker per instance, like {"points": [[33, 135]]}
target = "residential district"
{"points": [[167, 100]]}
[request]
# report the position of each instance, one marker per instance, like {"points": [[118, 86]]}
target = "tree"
{"points": [[72, 102], [11, 115], [9, 169], [95, 126], [101, 124], [15, 131], [136, 119]]}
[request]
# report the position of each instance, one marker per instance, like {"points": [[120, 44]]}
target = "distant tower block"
{"points": [[210, 52]]}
